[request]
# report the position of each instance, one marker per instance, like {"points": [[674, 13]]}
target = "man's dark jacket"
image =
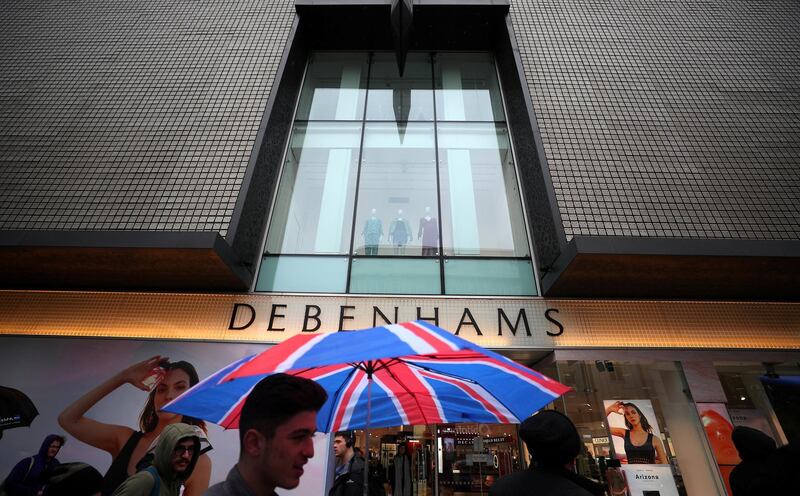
{"points": [[350, 483], [537, 482]]}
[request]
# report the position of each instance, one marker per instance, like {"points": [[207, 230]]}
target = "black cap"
{"points": [[551, 437]]}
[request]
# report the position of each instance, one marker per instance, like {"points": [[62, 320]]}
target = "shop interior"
{"points": [[466, 459]]}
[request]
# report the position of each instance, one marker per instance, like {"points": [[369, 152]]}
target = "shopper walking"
{"points": [[554, 443], [176, 453], [764, 469], [276, 430], [400, 472], [349, 472], [29, 475]]}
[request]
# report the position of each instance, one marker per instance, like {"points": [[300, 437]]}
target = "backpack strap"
{"points": [[30, 466], [156, 480]]}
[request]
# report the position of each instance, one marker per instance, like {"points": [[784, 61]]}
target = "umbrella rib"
{"points": [[414, 396], [447, 374], [494, 396]]}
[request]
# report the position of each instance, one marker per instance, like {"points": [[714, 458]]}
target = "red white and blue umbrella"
{"points": [[402, 374]]}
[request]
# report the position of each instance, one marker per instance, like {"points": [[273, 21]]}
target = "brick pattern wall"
{"points": [[132, 114], [675, 119]]}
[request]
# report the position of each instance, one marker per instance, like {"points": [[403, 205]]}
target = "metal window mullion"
{"points": [[438, 181], [350, 253]]}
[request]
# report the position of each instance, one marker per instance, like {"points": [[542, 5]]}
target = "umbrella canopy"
{"points": [[16, 409], [419, 374]]}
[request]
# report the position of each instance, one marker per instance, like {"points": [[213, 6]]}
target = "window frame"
{"points": [[440, 257]]}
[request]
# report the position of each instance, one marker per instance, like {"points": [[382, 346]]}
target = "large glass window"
{"points": [[398, 176], [637, 416]]}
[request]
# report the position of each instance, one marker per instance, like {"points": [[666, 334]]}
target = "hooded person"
{"points": [[554, 443], [175, 457], [765, 468], [29, 475]]}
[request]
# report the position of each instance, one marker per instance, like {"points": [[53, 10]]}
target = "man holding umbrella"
{"points": [[276, 430]]}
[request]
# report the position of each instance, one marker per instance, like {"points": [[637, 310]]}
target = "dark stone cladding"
{"points": [[641, 121], [676, 119], [134, 116]]}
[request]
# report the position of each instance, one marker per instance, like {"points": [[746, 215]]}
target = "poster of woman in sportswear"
{"points": [[635, 432]]}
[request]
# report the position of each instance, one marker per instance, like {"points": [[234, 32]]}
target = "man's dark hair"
{"points": [[348, 436], [277, 398]]}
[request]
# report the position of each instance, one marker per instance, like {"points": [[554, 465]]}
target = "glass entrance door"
{"points": [[471, 457], [442, 460]]}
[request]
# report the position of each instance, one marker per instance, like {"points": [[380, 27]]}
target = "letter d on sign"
{"points": [[236, 306]]}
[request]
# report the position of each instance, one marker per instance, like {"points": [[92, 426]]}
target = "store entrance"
{"points": [[444, 459]]}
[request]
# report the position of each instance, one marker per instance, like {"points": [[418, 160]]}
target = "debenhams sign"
{"points": [[463, 317], [491, 322]]}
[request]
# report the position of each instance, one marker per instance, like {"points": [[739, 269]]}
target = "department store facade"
{"points": [[414, 169]]}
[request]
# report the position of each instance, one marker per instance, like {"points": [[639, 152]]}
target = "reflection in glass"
{"points": [[395, 276], [489, 277], [481, 209], [334, 87], [303, 274], [314, 208], [397, 191], [467, 88], [392, 98]]}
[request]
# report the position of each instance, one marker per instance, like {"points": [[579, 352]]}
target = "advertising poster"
{"points": [[750, 418], [719, 430], [635, 433], [55, 372], [650, 480]]}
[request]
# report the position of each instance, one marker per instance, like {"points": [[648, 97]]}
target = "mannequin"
{"points": [[429, 233], [400, 233], [372, 234]]}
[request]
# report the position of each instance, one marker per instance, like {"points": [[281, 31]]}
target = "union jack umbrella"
{"points": [[401, 374]]}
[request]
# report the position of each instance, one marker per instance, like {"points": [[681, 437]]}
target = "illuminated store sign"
{"points": [[520, 323], [498, 321]]}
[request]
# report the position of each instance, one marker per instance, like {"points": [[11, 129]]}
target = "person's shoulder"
{"points": [[224, 488], [546, 484], [138, 483], [511, 483], [356, 463], [219, 489]]}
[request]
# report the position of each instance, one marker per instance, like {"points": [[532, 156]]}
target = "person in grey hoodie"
{"points": [[176, 454]]}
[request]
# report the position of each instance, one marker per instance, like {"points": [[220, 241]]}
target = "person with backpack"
{"points": [[29, 475], [176, 454]]}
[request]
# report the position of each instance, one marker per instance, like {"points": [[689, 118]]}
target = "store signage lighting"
{"points": [[244, 315]]}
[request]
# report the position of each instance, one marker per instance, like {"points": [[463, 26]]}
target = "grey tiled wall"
{"points": [[673, 119], [132, 114], [668, 118]]}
